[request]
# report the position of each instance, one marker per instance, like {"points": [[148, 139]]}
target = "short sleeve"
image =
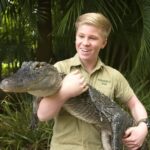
{"points": [[61, 67], [123, 91]]}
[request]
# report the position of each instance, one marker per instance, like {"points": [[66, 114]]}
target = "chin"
{"points": [[84, 58]]}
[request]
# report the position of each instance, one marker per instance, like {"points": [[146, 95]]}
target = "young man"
{"points": [[70, 133]]}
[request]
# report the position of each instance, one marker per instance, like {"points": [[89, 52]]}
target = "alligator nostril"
{"points": [[3, 83]]}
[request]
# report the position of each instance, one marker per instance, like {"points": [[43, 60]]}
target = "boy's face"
{"points": [[89, 41]]}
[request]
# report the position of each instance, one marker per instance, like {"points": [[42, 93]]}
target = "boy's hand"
{"points": [[73, 85], [135, 136]]}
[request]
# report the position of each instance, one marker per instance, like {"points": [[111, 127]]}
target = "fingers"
{"points": [[127, 133], [131, 139], [82, 81], [74, 84], [85, 87]]}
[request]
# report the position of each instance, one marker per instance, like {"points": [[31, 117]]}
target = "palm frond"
{"points": [[67, 22], [143, 61], [3, 5]]}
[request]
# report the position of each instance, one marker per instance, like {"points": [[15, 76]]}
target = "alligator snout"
{"points": [[9, 85], [4, 84]]}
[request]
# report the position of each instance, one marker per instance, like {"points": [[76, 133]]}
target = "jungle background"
{"points": [[43, 30]]}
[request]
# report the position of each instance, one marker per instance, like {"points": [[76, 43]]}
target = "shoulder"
{"points": [[122, 88], [112, 71], [116, 76], [64, 65]]}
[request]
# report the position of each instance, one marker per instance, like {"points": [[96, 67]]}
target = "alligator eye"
{"points": [[37, 66]]}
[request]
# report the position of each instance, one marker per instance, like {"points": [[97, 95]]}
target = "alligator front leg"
{"points": [[106, 139], [117, 125], [34, 118]]}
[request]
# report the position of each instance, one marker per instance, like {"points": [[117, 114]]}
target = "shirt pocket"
{"points": [[106, 87]]}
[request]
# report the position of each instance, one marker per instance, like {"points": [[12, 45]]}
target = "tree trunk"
{"points": [[0, 70], [44, 25]]}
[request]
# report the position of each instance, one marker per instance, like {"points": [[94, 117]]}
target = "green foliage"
{"points": [[17, 35], [141, 88], [129, 39], [14, 126]]}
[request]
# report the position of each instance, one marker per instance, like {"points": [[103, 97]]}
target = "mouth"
{"points": [[85, 52]]}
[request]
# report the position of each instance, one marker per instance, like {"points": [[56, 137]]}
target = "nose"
{"points": [[85, 42]]}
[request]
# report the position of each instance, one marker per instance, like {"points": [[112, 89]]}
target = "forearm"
{"points": [[139, 113], [135, 136], [50, 106]]}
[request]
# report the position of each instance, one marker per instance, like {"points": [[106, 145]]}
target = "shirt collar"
{"points": [[76, 62]]}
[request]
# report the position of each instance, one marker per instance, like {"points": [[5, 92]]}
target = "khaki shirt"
{"points": [[70, 133]]}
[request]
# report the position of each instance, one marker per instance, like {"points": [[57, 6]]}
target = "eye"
{"points": [[93, 38], [38, 66], [81, 36]]}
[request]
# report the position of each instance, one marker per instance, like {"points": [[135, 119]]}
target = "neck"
{"points": [[89, 65]]}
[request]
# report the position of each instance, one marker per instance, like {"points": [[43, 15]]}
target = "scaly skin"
{"points": [[39, 78], [42, 79]]}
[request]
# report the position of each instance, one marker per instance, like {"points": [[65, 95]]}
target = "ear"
{"points": [[104, 43]]}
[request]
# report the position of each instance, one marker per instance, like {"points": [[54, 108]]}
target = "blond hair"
{"points": [[96, 19]]}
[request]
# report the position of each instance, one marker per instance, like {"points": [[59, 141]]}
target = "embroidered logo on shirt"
{"points": [[104, 82]]}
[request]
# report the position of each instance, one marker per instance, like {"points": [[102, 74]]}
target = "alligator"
{"points": [[42, 79]]}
